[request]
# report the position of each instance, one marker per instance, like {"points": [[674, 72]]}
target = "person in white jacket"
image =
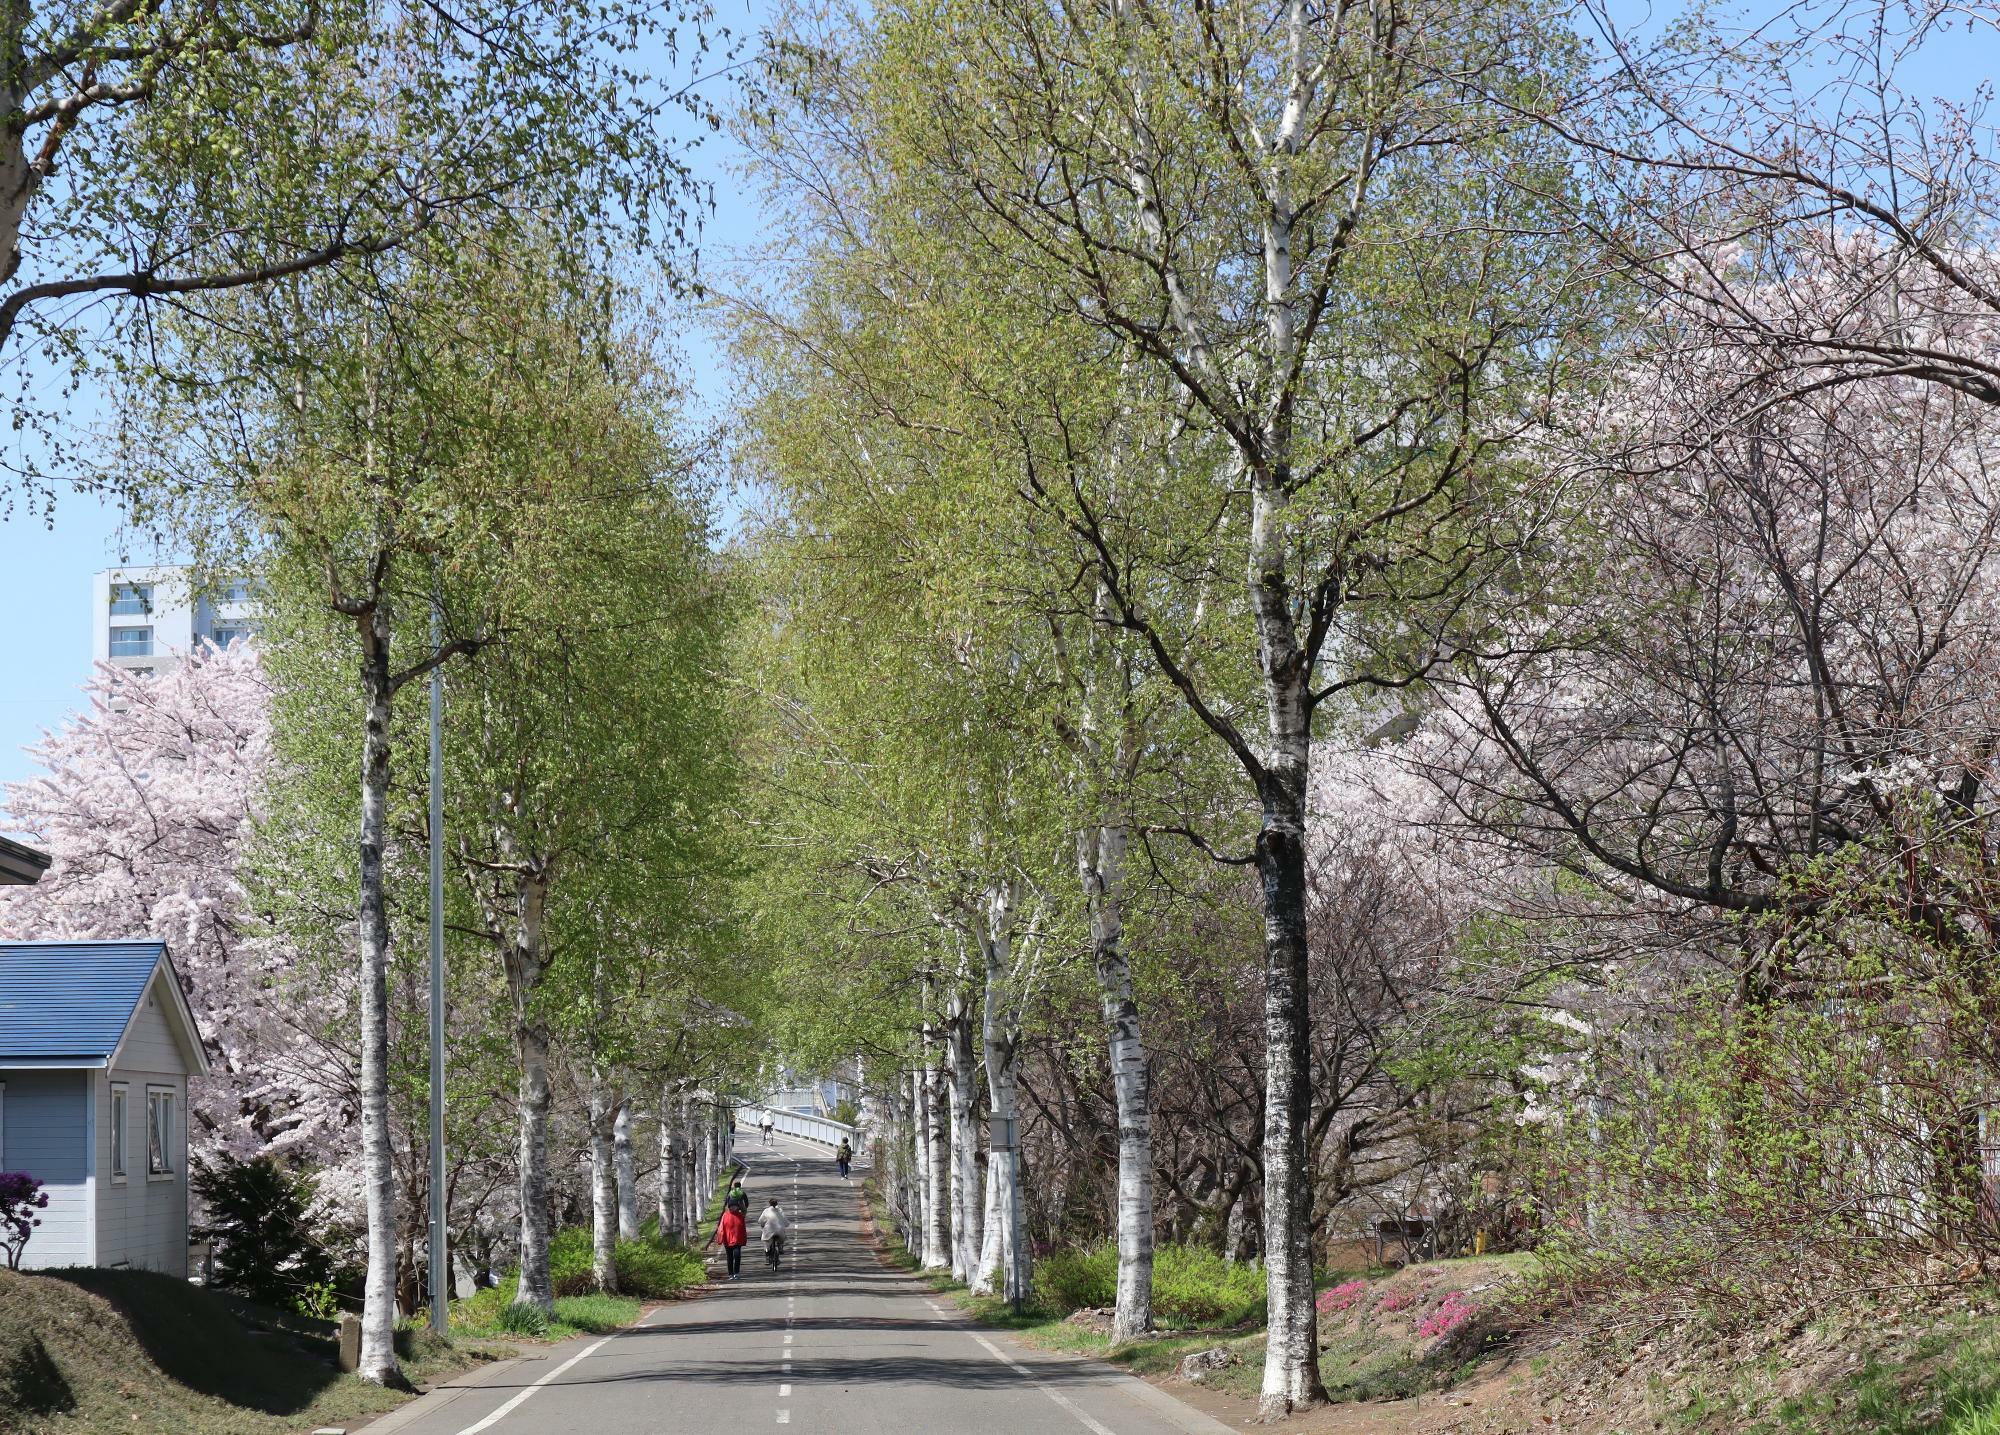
{"points": [[772, 1226]]}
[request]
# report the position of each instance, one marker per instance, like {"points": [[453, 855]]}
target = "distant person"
{"points": [[766, 1125], [732, 1234], [772, 1226], [844, 1157]]}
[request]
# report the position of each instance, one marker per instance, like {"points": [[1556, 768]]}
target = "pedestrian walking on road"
{"points": [[738, 1199], [732, 1234], [765, 1127], [772, 1226], [844, 1156]]}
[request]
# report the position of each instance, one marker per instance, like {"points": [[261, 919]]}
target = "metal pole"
{"points": [[439, 1251]]}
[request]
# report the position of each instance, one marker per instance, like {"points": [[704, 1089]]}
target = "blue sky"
{"points": [[45, 572]]}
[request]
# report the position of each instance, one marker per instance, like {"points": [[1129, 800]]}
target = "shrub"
{"points": [[261, 1215], [20, 1196], [1072, 1279], [647, 1268], [656, 1269], [1192, 1285]]}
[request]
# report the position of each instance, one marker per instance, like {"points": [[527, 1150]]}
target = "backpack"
{"points": [[738, 1201]]}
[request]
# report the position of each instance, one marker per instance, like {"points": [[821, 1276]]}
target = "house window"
{"points": [[118, 1131], [159, 1131], [237, 591], [131, 598], [223, 634], [131, 642]]}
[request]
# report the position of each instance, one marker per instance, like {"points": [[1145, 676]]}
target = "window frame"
{"points": [[159, 1099], [121, 1110], [111, 645], [138, 594]]}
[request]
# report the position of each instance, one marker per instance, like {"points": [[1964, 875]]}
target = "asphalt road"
{"points": [[833, 1341]]}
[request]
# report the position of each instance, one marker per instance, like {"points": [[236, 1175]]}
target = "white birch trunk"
{"points": [[378, 1308], [1005, 1267], [937, 1173], [672, 1177], [695, 1197], [603, 1183], [1291, 1352], [526, 960], [913, 1096], [963, 1090], [1101, 863], [627, 1167]]}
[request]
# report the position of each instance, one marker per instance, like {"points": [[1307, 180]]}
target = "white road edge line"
{"points": [[1084, 1417], [521, 1396]]}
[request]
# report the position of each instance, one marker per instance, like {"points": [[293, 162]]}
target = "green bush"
{"points": [[1072, 1279], [1192, 1285], [656, 1270], [650, 1269]]}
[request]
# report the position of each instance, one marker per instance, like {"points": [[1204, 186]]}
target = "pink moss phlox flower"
{"points": [[1340, 1297], [1452, 1312]]}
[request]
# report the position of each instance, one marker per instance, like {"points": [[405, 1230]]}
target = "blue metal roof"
{"points": [[70, 1000]]}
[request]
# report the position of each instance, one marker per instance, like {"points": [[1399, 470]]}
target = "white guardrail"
{"points": [[749, 1119]]}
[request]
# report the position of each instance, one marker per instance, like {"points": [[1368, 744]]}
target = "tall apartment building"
{"points": [[148, 619]]}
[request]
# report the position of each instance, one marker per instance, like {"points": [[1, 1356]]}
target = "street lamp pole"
{"points": [[439, 1252]]}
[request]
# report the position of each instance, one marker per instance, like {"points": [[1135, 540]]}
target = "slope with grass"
{"points": [[131, 1351]]}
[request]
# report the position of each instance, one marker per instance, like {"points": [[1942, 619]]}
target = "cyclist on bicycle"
{"points": [[772, 1226]]}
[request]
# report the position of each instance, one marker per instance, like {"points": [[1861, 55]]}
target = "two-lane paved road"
{"points": [[832, 1342]]}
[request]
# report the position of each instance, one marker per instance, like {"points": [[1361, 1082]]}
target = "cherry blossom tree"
{"points": [[146, 804]]}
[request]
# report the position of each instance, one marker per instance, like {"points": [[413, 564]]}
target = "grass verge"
{"points": [[489, 1316], [101, 1350]]}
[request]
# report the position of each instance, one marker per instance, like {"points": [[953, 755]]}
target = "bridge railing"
{"points": [[818, 1129]]}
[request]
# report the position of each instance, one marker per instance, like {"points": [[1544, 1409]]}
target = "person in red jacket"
{"points": [[731, 1232]]}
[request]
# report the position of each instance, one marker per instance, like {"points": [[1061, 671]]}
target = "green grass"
{"points": [[648, 1269], [1942, 1378], [131, 1351], [486, 1316]]}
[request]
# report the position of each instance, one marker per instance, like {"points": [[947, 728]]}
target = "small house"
{"points": [[96, 1047]]}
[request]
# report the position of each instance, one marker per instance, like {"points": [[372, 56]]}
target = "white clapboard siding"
{"points": [[42, 1132], [142, 1220]]}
